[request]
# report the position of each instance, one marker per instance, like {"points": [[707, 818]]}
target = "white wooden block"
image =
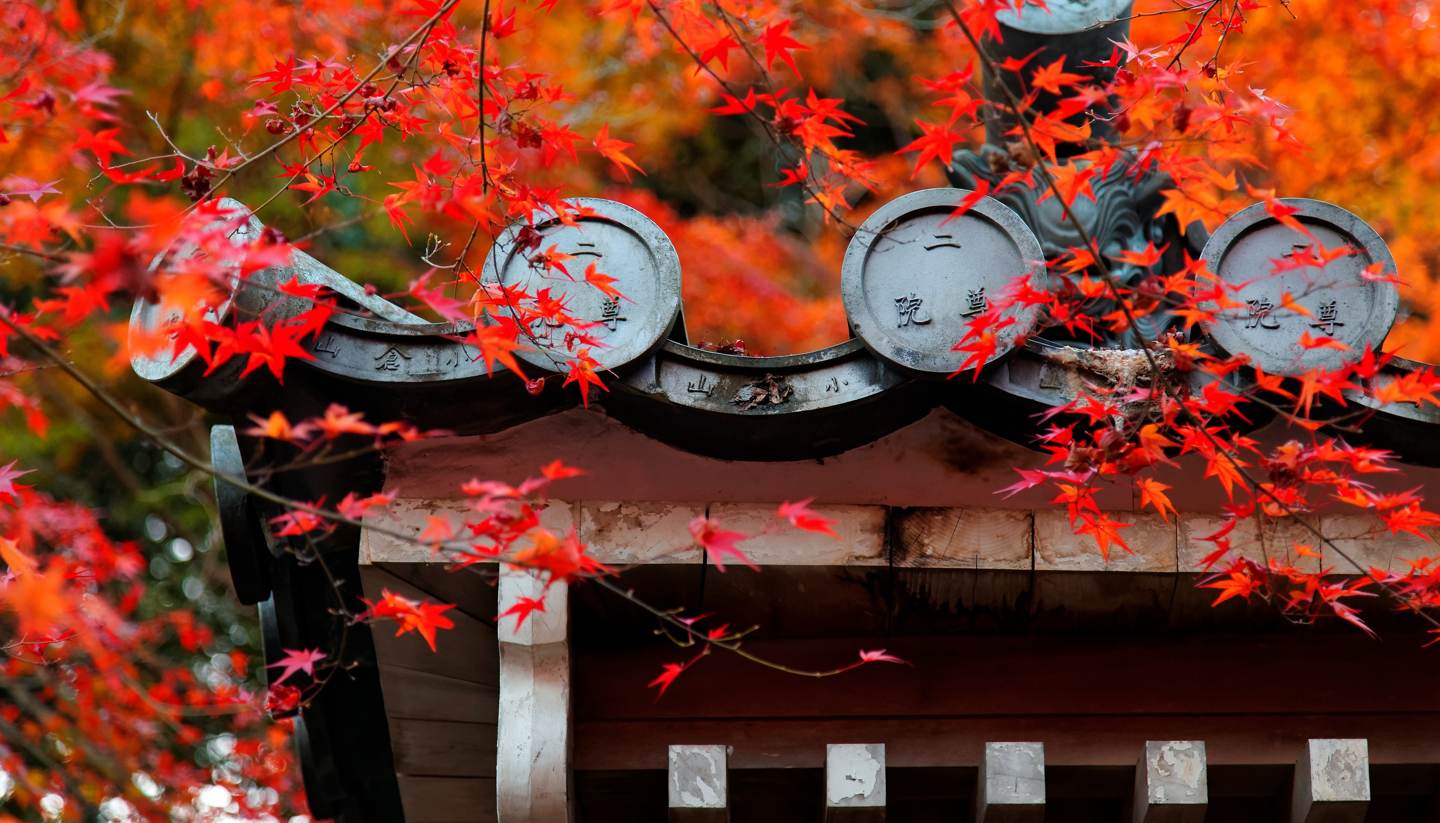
{"points": [[698, 781], [1332, 782], [532, 764], [855, 782], [1012, 783], [548, 626], [1171, 784], [532, 768]]}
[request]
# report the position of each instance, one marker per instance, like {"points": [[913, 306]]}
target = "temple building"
{"points": [[1043, 682]]}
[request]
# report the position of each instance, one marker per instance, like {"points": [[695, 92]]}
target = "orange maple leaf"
{"points": [[614, 151], [1152, 494], [582, 372], [603, 282], [1053, 76], [1308, 342], [1238, 583]]}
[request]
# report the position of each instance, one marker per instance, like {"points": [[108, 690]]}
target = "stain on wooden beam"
{"points": [[1011, 786], [1171, 784], [1332, 782], [699, 784], [854, 782]]}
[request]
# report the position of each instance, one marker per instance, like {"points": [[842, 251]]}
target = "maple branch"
{"points": [[765, 125], [480, 109], [43, 255], [423, 31], [1195, 32], [1112, 283], [733, 646], [204, 466]]}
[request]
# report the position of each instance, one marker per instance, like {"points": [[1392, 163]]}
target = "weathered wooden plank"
{"points": [[443, 748], [1011, 786], [465, 652], [534, 741], [698, 783], [390, 534], [1058, 548], [417, 695], [861, 531], [1365, 540], [1332, 782], [447, 799], [974, 538], [624, 533], [1275, 539], [620, 534], [1171, 783], [855, 782]]}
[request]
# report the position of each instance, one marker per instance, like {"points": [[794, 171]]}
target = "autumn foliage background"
{"points": [[82, 81]]}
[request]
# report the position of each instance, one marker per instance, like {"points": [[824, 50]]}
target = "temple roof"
{"points": [[913, 278]]}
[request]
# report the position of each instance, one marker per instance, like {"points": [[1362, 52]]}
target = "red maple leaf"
{"points": [[777, 43], [282, 701], [582, 371], [271, 347], [669, 672], [801, 517], [718, 50], [556, 470], [411, 615], [296, 660], [614, 151], [934, 143], [100, 143], [562, 559], [522, 609], [7, 478], [318, 185], [878, 656], [718, 543], [982, 189]]}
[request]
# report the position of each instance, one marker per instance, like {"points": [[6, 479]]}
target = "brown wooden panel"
{"points": [[466, 652], [448, 799], [472, 589], [416, 695], [438, 748], [958, 741], [1303, 671]]}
